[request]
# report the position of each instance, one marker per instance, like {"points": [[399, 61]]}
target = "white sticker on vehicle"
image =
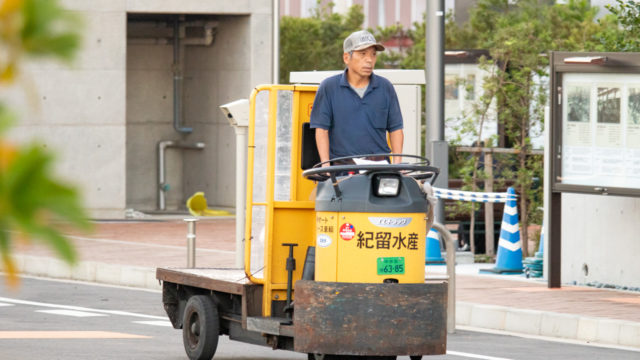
{"points": [[323, 240], [390, 222]]}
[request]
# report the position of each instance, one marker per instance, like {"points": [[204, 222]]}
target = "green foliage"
{"points": [[574, 28], [34, 205], [35, 28], [393, 34], [415, 56], [49, 30], [315, 43], [518, 35], [6, 119], [458, 36], [626, 36]]}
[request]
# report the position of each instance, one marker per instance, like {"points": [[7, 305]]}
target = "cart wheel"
{"points": [[200, 328], [415, 357]]}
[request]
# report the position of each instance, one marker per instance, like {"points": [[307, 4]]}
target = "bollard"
{"points": [[191, 242]]}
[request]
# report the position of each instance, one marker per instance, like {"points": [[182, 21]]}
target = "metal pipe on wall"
{"points": [[162, 32], [163, 187], [177, 81]]}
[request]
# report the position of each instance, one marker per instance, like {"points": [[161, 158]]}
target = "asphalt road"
{"points": [[47, 319]]}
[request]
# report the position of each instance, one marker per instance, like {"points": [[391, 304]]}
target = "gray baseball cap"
{"points": [[360, 40]]}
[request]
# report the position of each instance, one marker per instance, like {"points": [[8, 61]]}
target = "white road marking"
{"points": [[475, 356], [69, 281], [68, 335], [74, 313], [155, 323], [547, 338], [79, 308], [3, 304]]}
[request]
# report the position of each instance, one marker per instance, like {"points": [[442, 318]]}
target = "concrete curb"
{"points": [[91, 271], [493, 317], [550, 324]]}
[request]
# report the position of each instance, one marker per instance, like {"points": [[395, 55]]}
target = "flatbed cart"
{"points": [[334, 256]]}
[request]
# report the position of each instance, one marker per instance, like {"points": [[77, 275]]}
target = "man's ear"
{"points": [[345, 57]]}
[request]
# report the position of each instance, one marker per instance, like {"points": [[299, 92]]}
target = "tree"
{"points": [[315, 43], [518, 35], [626, 35], [34, 205]]}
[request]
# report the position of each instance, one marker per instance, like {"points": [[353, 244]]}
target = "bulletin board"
{"points": [[593, 135], [595, 123]]}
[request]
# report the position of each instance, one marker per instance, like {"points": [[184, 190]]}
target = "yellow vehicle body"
{"points": [[385, 246], [277, 214], [370, 248]]}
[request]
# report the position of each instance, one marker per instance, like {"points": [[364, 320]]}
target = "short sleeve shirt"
{"points": [[356, 126]]}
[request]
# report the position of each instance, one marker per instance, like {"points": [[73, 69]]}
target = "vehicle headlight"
{"points": [[387, 185]]}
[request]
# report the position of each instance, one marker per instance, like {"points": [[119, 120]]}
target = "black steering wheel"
{"points": [[419, 169]]}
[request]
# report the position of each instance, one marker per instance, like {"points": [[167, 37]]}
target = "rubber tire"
{"points": [[415, 357], [201, 327]]}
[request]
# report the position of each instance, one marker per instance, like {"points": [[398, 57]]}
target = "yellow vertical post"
{"points": [[268, 246]]}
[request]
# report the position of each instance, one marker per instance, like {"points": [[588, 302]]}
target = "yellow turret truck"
{"points": [[334, 262]]}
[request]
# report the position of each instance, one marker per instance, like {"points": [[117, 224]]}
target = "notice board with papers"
{"points": [[593, 136], [595, 123]]}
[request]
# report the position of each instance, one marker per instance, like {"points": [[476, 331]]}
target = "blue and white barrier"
{"points": [[493, 197], [509, 258]]}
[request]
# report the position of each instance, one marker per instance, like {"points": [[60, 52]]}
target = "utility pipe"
{"points": [[163, 187], [208, 27], [177, 81]]}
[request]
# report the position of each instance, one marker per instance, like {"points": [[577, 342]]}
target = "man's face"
{"points": [[362, 61]]}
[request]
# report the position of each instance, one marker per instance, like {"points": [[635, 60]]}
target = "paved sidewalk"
{"points": [[127, 253]]}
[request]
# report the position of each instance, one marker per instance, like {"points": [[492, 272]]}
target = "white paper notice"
{"points": [[601, 130]]}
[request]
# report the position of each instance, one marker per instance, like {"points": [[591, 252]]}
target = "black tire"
{"points": [[200, 328], [415, 357]]}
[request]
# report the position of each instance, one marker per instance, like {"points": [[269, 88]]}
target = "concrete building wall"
{"points": [[600, 233], [104, 114], [78, 111], [212, 80], [238, 60]]}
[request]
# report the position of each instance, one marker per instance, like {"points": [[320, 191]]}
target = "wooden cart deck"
{"points": [[227, 280]]}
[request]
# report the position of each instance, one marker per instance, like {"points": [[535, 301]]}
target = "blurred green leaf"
{"points": [[6, 119], [37, 205], [49, 29], [34, 204]]}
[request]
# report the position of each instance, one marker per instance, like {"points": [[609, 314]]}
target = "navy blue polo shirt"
{"points": [[357, 126]]}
